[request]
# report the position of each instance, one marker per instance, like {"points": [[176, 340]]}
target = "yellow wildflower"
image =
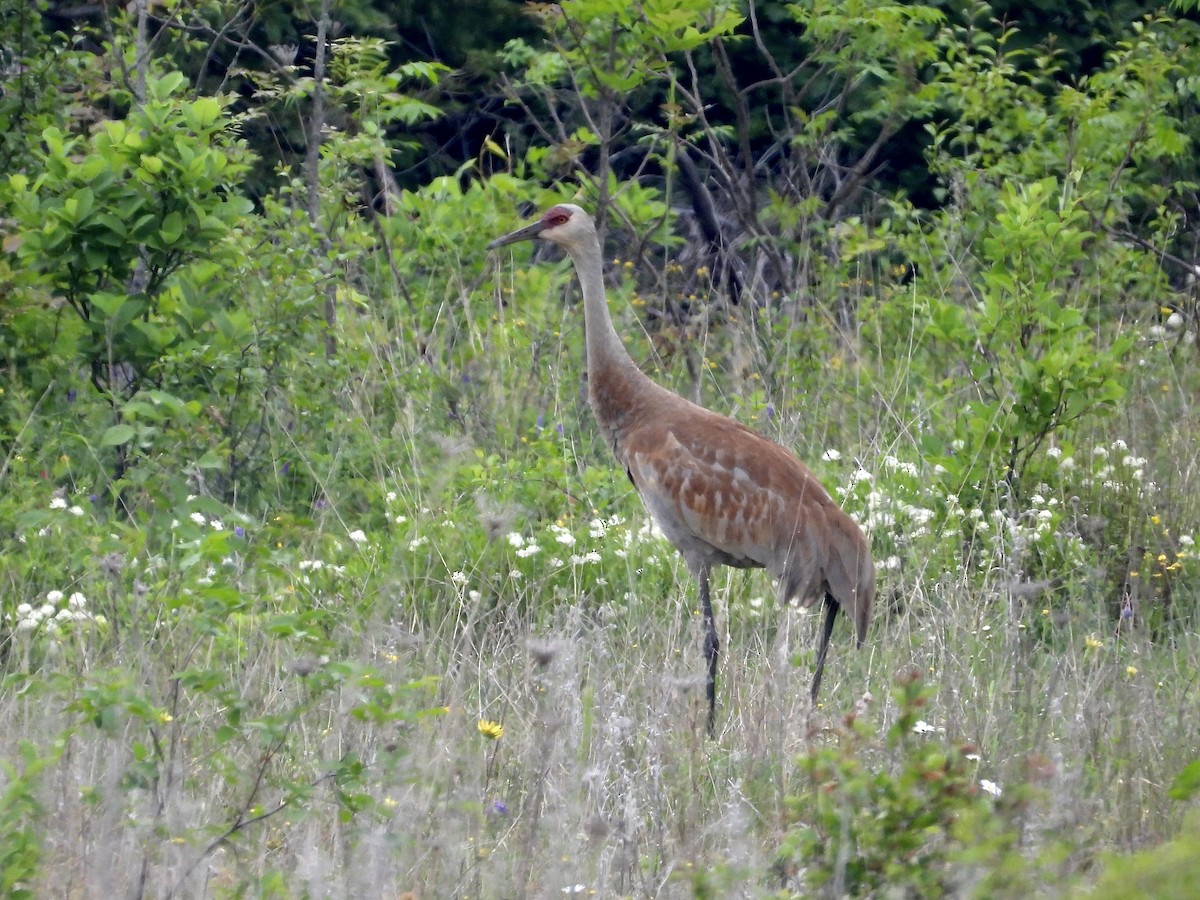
{"points": [[493, 731]]}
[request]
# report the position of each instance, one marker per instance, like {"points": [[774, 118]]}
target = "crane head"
{"points": [[563, 224]]}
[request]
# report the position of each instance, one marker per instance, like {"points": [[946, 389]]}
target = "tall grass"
{"points": [[302, 706]]}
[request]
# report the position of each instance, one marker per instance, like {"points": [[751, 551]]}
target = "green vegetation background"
{"points": [[317, 582]]}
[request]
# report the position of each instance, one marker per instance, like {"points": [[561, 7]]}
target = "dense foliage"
{"points": [[312, 542]]}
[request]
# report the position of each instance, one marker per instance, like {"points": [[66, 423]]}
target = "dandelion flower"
{"points": [[493, 731], [1092, 642], [1131, 671]]}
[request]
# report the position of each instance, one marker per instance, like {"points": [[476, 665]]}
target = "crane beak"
{"points": [[529, 232]]}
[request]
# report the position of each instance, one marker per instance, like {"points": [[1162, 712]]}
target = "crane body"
{"points": [[722, 493]]}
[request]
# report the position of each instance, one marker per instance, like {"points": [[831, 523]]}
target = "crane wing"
{"points": [[724, 493]]}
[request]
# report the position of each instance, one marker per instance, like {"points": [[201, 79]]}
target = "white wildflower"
{"points": [[77, 601], [458, 577], [529, 550], [24, 609], [923, 727], [1053, 452], [357, 535], [1120, 445], [58, 503], [391, 497], [76, 511], [831, 455], [991, 787], [198, 518], [54, 596], [516, 539], [418, 542]]}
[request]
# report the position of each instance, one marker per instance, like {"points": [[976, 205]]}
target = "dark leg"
{"points": [[831, 609], [712, 649]]}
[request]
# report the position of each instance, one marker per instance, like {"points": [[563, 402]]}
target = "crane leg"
{"points": [[831, 610], [712, 650]]}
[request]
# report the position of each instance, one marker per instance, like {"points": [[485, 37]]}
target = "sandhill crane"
{"points": [[721, 493]]}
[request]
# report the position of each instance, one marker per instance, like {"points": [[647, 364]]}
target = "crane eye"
{"points": [[558, 220]]}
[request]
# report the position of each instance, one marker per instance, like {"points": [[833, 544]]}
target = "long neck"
{"points": [[604, 347], [618, 390]]}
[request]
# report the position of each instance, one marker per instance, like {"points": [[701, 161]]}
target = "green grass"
{"points": [[288, 703], [275, 728]]}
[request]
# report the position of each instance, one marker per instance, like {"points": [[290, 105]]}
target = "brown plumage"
{"points": [[722, 494]]}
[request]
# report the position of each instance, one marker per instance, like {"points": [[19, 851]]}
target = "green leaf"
{"points": [[204, 111], [171, 229], [117, 435], [1186, 783]]}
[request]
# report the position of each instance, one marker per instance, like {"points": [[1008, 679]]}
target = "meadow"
{"points": [[318, 582], [481, 677]]}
